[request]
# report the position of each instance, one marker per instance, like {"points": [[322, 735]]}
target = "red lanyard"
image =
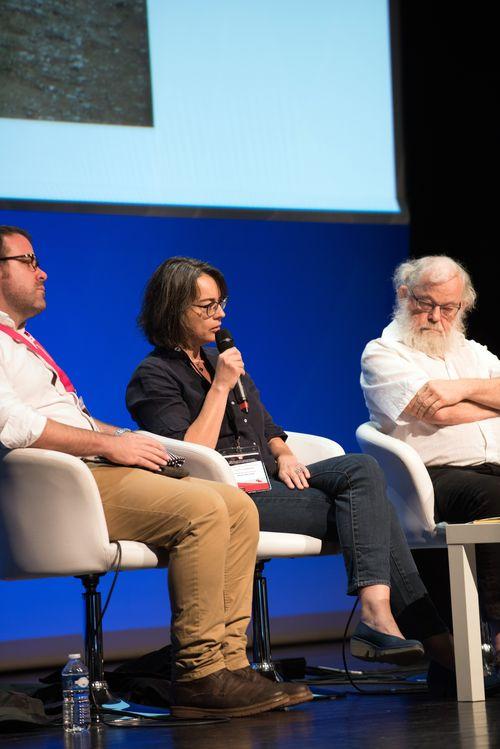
{"points": [[39, 350]]}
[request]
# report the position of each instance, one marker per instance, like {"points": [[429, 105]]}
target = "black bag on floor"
{"points": [[19, 711], [145, 680]]}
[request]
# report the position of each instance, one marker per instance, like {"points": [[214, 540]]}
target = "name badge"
{"points": [[248, 468]]}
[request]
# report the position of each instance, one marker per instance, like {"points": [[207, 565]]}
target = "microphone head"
{"points": [[224, 340]]}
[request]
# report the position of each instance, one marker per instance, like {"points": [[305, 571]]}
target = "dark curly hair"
{"points": [[168, 294]]}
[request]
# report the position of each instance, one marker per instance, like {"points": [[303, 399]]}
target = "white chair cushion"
{"points": [[287, 545]]}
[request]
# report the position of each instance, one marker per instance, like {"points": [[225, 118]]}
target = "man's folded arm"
{"points": [[486, 392], [460, 401], [460, 413]]}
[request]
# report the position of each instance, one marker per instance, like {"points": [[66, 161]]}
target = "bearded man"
{"points": [[425, 383]]}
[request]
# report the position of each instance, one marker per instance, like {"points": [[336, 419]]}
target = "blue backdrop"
{"points": [[303, 300]]}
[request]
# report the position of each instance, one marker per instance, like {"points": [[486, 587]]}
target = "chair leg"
{"points": [[487, 649], [262, 659], [101, 699], [94, 657], [93, 629]]}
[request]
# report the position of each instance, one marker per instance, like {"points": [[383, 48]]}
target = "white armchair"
{"points": [[52, 524], [205, 463], [408, 485], [52, 521], [410, 490]]}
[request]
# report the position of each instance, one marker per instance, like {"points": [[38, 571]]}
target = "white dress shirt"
{"points": [[392, 373], [30, 393]]}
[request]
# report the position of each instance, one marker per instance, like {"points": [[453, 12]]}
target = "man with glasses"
{"points": [[425, 383], [214, 524]]}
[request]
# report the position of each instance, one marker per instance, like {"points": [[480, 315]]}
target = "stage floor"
{"points": [[351, 721]]}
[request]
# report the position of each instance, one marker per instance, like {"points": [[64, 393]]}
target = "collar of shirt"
{"points": [[177, 353], [8, 321]]}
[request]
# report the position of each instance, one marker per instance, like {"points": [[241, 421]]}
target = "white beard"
{"points": [[430, 342]]}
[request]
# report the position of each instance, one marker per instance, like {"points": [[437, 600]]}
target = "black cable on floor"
{"points": [[374, 677], [344, 659], [142, 721]]}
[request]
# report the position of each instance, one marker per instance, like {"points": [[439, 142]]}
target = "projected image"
{"points": [[270, 106], [81, 61]]}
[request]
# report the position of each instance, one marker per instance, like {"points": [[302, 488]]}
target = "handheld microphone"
{"points": [[224, 340]]}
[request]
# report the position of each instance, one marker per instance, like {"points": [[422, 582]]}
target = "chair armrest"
{"points": [[408, 482], [202, 462], [205, 463], [310, 448], [51, 516]]}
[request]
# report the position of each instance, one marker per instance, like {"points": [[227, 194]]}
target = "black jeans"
{"points": [[347, 504], [464, 493]]}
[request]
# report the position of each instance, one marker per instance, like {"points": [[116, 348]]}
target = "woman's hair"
{"points": [[168, 294]]}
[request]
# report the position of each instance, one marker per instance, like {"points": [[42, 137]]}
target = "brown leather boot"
{"points": [[224, 693], [296, 693]]}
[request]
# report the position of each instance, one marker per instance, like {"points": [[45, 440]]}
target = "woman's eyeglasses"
{"points": [[212, 307]]}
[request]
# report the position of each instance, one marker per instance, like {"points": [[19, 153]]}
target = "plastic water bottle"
{"points": [[76, 703]]}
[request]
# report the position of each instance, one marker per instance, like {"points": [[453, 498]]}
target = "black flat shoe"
{"points": [[371, 645]]}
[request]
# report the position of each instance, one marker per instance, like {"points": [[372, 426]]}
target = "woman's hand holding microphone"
{"points": [[229, 367]]}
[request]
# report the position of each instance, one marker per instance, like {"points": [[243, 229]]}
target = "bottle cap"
{"points": [[74, 656]]}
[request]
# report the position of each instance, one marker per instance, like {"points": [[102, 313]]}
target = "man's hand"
{"points": [[131, 449], [434, 395], [291, 472]]}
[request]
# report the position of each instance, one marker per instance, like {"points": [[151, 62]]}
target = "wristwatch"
{"points": [[121, 431]]}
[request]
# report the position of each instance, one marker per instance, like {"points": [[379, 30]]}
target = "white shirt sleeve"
{"points": [[20, 424], [389, 381], [486, 358]]}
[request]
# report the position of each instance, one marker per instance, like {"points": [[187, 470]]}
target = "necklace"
{"points": [[198, 365]]}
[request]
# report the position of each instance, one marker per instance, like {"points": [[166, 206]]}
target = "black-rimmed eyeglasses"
{"points": [[211, 308], [28, 259], [449, 311]]}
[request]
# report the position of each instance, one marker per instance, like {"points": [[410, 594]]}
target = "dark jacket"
{"points": [[166, 394]]}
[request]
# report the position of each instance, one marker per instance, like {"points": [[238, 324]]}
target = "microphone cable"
{"points": [[117, 564]]}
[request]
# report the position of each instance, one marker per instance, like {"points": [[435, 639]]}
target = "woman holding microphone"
{"points": [[185, 390]]}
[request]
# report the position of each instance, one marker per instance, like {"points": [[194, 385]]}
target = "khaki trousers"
{"points": [[210, 531]]}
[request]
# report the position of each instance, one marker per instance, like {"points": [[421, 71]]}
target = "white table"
{"points": [[461, 540]]}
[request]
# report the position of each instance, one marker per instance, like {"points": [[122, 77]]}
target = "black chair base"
{"points": [[262, 657], [103, 701]]}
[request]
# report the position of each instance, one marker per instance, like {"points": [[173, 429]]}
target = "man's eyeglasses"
{"points": [[29, 259], [212, 307], [449, 311]]}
